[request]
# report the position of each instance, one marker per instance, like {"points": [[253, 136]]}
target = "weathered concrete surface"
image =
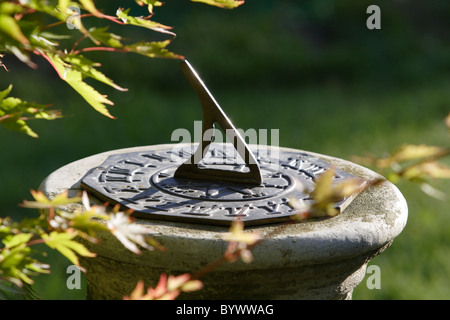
{"points": [[317, 259]]}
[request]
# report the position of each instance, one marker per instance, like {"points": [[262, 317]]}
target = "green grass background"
{"points": [[308, 68]]}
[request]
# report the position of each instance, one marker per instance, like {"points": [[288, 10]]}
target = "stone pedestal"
{"points": [[316, 259]]}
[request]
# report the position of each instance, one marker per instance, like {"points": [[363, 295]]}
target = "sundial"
{"points": [[212, 183]]}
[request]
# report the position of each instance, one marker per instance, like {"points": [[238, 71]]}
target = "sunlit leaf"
{"points": [[6, 92], [240, 242], [64, 243], [322, 190], [183, 283], [92, 96], [107, 38], [15, 112], [434, 170], [129, 234], [16, 263], [16, 240], [175, 282], [326, 193], [86, 222], [150, 4], [63, 5], [15, 123], [13, 263], [42, 42], [45, 7], [167, 288], [225, 4], [42, 202], [9, 26], [90, 6], [160, 292], [86, 67], [238, 234], [141, 22], [10, 8], [21, 55], [412, 152], [138, 292], [154, 49], [74, 78], [192, 285]]}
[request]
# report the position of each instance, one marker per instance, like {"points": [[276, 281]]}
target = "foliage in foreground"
{"points": [[60, 230], [57, 31], [63, 41]]}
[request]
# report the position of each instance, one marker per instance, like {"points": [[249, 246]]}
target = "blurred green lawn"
{"points": [[312, 70]]}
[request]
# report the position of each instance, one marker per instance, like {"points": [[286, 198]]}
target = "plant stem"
{"points": [[100, 49]]}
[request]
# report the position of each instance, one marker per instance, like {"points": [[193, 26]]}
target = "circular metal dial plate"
{"points": [[145, 183]]}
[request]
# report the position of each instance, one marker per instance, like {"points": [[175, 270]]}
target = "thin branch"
{"points": [[36, 241], [431, 158], [100, 49], [19, 16], [86, 15], [84, 36], [6, 116], [42, 54]]}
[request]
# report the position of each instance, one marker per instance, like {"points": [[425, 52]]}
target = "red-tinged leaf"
{"points": [[160, 292], [161, 287], [171, 295], [137, 293], [167, 288]]}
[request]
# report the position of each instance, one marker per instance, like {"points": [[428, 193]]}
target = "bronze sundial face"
{"points": [[145, 182], [212, 183]]}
